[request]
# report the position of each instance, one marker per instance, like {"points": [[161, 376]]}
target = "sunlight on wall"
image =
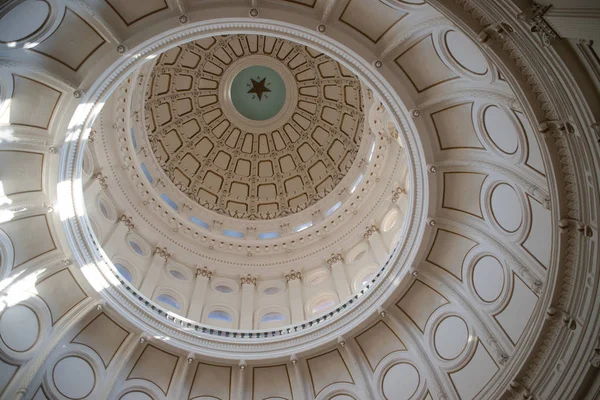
{"points": [[4, 283], [84, 112], [3, 198], [6, 215], [20, 290], [5, 114], [65, 207], [6, 131], [94, 277]]}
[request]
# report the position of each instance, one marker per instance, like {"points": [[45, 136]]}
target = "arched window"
{"points": [[367, 280], [125, 273], [106, 208], [169, 300], [333, 208], [223, 289], [169, 201], [136, 247], [147, 173], [177, 275], [268, 235], [273, 290], [304, 226], [356, 183], [199, 222], [272, 317], [220, 315], [322, 306]]}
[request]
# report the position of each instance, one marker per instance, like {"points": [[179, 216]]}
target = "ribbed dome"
{"points": [[246, 166], [449, 250]]}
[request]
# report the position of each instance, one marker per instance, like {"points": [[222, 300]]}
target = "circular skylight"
{"points": [[258, 93]]}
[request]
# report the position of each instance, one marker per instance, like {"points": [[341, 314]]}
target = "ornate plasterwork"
{"points": [[335, 258], [78, 228], [128, 221], [162, 252], [203, 272], [244, 170], [370, 231], [293, 275], [248, 280], [534, 368], [534, 17], [557, 329]]}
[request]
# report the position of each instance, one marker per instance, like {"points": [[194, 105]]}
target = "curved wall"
{"points": [[501, 298]]}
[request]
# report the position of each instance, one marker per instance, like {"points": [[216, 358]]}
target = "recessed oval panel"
{"points": [[74, 377], [488, 279], [401, 382], [19, 328], [390, 219], [501, 130], [451, 337], [506, 208], [466, 53], [23, 20], [135, 396]]}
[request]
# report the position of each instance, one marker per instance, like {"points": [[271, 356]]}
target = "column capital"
{"points": [[293, 275], [335, 258], [162, 252], [370, 231], [534, 17], [248, 280], [204, 272], [102, 179], [128, 221], [396, 193]]}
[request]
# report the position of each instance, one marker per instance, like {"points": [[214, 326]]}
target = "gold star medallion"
{"points": [[259, 88]]}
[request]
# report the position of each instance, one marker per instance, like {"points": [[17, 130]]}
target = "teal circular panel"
{"points": [[258, 93]]}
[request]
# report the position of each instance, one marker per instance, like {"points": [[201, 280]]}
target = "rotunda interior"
{"points": [[299, 199]]}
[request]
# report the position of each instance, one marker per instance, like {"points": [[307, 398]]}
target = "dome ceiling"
{"points": [[250, 146], [456, 258]]}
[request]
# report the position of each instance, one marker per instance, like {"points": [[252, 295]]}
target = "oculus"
{"points": [[258, 93]]}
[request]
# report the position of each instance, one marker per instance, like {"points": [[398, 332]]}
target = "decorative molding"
{"points": [[293, 275], [248, 280], [534, 17], [102, 179], [162, 252], [335, 258], [203, 272], [397, 193], [370, 231], [128, 221]]}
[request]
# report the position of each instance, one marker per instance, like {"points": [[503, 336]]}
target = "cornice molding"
{"points": [[538, 351]]}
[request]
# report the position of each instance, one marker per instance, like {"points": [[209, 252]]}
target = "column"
{"points": [[298, 378], [574, 23], [183, 374], [131, 346], [247, 308], [337, 266], [159, 259], [239, 390], [98, 183], [200, 288], [349, 350], [376, 243], [294, 280], [117, 237]]}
